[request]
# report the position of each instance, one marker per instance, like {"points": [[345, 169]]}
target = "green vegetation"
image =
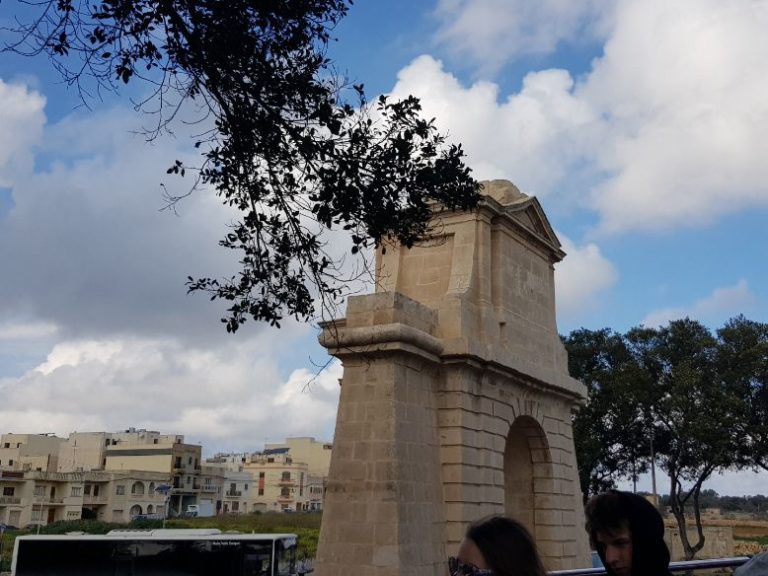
{"points": [[762, 540], [306, 526], [692, 400]]}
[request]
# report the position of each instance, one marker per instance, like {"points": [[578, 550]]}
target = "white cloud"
{"points": [[21, 127], [26, 330], [530, 138], [666, 130], [227, 397], [580, 279], [490, 33], [682, 87], [718, 306]]}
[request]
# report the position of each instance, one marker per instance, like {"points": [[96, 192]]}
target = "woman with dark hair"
{"points": [[496, 546]]}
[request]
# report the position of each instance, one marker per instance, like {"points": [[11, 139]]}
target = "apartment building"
{"points": [[33, 497], [317, 455], [113, 476], [21, 452], [280, 483]]}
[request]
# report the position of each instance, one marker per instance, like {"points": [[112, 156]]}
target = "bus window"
{"points": [[285, 558]]}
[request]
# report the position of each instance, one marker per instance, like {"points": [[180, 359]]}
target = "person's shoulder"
{"points": [[756, 566]]}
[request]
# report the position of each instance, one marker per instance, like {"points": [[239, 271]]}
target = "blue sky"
{"points": [[639, 124]]}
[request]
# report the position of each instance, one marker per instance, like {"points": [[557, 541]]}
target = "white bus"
{"points": [[156, 553]]}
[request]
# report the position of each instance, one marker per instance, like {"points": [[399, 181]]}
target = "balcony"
{"points": [[286, 482], [91, 499], [282, 498], [5, 500], [207, 488], [45, 501], [234, 493]]}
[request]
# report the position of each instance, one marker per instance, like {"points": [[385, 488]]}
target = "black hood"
{"points": [[650, 555]]}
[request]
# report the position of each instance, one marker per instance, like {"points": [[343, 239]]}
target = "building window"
{"points": [[36, 514], [73, 515], [76, 491], [8, 490], [7, 445], [235, 506], [189, 460], [286, 475], [39, 490], [151, 487], [261, 491], [10, 462], [120, 491], [285, 492], [87, 490], [270, 460], [246, 487], [261, 475], [178, 462], [138, 488]]}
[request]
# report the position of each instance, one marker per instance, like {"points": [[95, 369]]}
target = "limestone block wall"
{"points": [[383, 504], [507, 448], [456, 400]]}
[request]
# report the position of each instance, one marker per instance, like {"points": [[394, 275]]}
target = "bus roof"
{"points": [[169, 534]]}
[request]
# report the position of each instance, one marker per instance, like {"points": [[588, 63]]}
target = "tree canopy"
{"points": [[698, 398], [284, 140]]}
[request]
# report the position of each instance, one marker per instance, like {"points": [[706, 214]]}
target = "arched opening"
{"points": [[150, 509], [135, 511], [151, 487], [138, 488], [526, 448]]}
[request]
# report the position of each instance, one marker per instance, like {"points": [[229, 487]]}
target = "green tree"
{"points": [[608, 430], [700, 397], [284, 140]]}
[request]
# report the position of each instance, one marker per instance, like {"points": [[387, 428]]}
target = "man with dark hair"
{"points": [[628, 533]]}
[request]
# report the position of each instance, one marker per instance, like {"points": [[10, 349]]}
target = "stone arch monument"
{"points": [[456, 400]]}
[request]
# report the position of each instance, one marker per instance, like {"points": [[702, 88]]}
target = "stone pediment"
{"points": [[523, 211]]}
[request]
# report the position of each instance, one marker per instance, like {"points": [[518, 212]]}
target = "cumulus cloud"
{"points": [[665, 130], [721, 304], [21, 122], [86, 247], [490, 33], [529, 138], [682, 89], [98, 332], [580, 279], [223, 397]]}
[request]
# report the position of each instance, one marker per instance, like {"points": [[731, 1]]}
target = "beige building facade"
{"points": [[279, 482], [29, 451], [456, 400], [315, 454], [38, 498]]}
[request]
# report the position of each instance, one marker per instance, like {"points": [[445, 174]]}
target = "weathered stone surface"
{"points": [[456, 398]]}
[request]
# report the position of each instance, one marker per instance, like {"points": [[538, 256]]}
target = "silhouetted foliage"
{"points": [[285, 141]]}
